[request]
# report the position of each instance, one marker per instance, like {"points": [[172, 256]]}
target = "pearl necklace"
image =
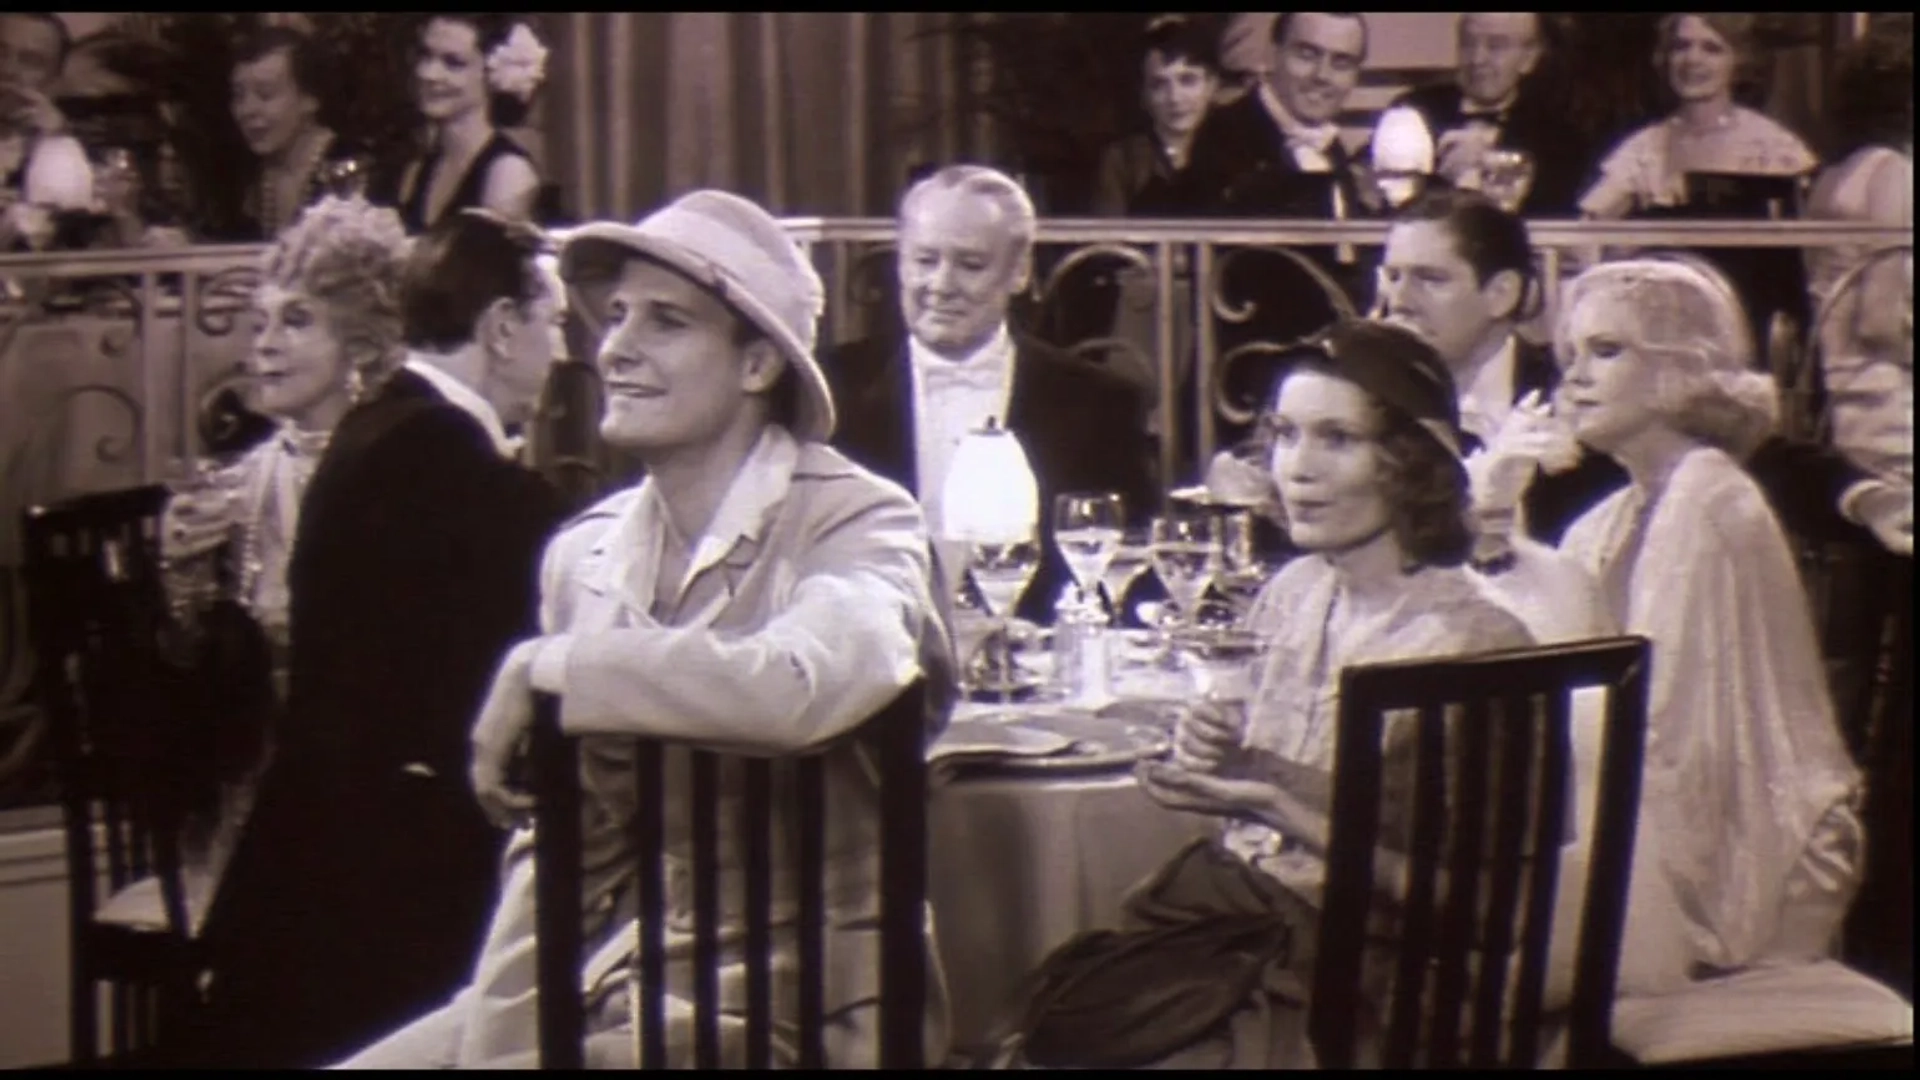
{"points": [[301, 451], [269, 192]]}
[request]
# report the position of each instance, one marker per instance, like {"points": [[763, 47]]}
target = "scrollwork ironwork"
{"points": [[1220, 392], [216, 420], [1085, 255], [870, 276], [235, 283], [1228, 310]]}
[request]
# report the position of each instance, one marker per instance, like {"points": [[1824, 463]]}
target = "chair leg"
{"points": [[83, 1020]]}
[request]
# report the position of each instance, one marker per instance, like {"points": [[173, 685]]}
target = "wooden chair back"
{"points": [[895, 739], [1493, 769], [96, 613]]}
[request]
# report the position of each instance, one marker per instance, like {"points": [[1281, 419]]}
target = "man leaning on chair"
{"points": [[757, 592]]}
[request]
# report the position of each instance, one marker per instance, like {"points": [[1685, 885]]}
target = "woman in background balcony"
{"points": [[324, 319], [1749, 788], [1713, 66], [475, 74], [280, 83]]}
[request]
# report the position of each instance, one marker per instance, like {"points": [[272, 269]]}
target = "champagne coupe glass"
{"points": [[1225, 663], [1506, 176], [1186, 555], [1132, 557], [1002, 572], [1087, 528]]}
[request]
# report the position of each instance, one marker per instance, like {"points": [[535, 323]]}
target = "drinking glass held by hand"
{"points": [[1207, 733], [200, 515]]}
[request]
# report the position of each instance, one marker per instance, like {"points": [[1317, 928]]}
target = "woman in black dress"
{"points": [[475, 74]]}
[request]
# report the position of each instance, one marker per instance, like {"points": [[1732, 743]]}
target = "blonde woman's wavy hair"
{"points": [[1684, 312], [348, 254]]}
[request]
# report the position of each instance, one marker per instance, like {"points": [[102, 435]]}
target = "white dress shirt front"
{"points": [[952, 398], [468, 400], [1487, 400]]}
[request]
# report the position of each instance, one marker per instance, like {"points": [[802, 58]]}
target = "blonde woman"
{"points": [[1749, 788]]}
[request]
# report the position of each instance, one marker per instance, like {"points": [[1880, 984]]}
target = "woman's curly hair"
{"points": [[1685, 311], [348, 254], [1423, 483], [1743, 33]]}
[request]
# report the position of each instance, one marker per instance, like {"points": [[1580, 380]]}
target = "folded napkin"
{"points": [[990, 740]]}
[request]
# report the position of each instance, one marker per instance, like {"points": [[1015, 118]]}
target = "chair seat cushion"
{"points": [[140, 906], [1818, 1006]]}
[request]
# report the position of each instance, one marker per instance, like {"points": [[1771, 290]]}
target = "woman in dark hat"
{"points": [[1365, 452]]}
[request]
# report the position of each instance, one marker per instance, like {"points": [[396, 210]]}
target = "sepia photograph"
{"points": [[956, 540]]}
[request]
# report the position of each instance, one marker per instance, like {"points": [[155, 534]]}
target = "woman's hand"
{"points": [[195, 524], [1530, 438], [1181, 789], [1204, 735]]}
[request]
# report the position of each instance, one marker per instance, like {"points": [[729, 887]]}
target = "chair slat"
{"points": [[756, 845], [901, 749], [1418, 924], [1514, 728], [810, 796], [1459, 918], [1354, 823], [1556, 770], [649, 846], [704, 837], [557, 895]]}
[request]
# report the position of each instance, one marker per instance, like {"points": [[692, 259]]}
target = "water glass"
{"points": [[1132, 557], [1087, 529], [1186, 556], [1506, 176], [1001, 573]]}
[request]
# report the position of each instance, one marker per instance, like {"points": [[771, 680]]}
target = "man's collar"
{"points": [[467, 399], [741, 522], [996, 349], [1320, 136], [1470, 108]]}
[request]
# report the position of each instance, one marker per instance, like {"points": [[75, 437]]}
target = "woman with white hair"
{"points": [[1749, 789]]}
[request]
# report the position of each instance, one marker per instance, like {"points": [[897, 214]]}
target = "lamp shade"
{"points": [[1403, 154], [58, 176], [990, 495]]}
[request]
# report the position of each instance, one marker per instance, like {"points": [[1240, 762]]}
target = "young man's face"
{"points": [[673, 363]]}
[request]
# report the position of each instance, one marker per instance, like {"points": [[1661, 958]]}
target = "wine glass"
{"points": [[1506, 176], [1186, 555], [1242, 573], [1087, 529], [199, 491], [1225, 664], [1131, 557], [1001, 572]]}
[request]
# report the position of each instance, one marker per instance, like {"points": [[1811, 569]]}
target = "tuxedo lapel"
{"points": [[1533, 370], [896, 383]]}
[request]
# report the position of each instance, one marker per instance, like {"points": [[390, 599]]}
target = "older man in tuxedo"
{"points": [[363, 887], [966, 249], [1497, 101]]}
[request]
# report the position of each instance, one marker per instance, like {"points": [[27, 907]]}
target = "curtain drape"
{"points": [[808, 112]]}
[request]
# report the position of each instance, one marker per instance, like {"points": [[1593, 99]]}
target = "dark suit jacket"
{"points": [[1083, 428], [361, 893], [1561, 158], [1803, 481]]}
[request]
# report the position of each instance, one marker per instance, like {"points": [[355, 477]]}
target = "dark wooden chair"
{"points": [[1493, 769], [896, 738], [96, 613]]}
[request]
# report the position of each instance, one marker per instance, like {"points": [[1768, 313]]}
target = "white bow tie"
{"points": [[971, 375], [1318, 138]]}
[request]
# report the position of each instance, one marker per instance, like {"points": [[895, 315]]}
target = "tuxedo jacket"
{"points": [[1241, 167], [1083, 428], [1803, 481], [358, 897], [1562, 158]]}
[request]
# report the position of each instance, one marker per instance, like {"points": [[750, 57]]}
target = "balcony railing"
{"points": [[109, 360]]}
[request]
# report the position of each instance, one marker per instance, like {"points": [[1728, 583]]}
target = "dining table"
{"points": [[1026, 852]]}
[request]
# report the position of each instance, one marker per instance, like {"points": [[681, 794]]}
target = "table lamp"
{"points": [[990, 511], [1403, 155]]}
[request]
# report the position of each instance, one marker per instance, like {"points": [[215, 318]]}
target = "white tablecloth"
{"points": [[1019, 865]]}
